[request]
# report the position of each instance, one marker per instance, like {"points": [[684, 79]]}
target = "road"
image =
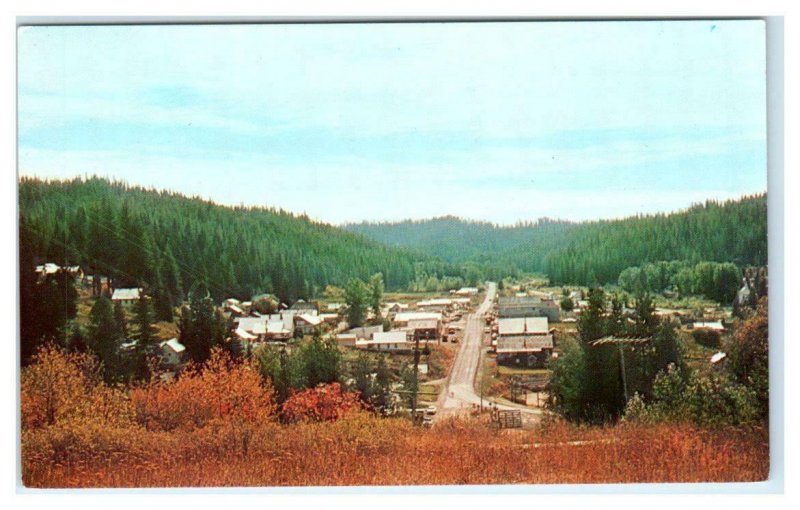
{"points": [[460, 390], [459, 395]]}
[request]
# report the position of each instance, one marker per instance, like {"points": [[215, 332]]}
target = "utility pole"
{"points": [[415, 379], [624, 375]]}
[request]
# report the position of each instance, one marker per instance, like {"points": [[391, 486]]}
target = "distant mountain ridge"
{"points": [[593, 251]]}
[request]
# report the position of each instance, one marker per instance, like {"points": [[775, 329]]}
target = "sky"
{"points": [[348, 122]]}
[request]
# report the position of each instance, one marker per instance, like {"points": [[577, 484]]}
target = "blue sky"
{"points": [[493, 121]]}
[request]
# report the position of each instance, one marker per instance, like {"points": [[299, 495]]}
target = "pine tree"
{"points": [[104, 338], [206, 328], [355, 296], [376, 288], [121, 321]]}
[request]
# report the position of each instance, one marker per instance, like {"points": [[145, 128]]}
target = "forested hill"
{"points": [[597, 251], [169, 243], [456, 240]]}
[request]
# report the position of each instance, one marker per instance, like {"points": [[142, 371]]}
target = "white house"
{"points": [[126, 296], [387, 341], [307, 324], [173, 352]]}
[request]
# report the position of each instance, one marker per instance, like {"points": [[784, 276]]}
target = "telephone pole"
{"points": [[415, 380]]}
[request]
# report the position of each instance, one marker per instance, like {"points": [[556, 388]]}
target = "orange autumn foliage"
{"points": [[221, 390], [79, 432], [326, 402], [58, 388]]}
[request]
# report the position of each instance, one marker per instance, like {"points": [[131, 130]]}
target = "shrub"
{"points": [[219, 390], [60, 387], [326, 402], [748, 353], [706, 337]]}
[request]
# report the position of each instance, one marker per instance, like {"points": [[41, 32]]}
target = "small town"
{"points": [[408, 256]]}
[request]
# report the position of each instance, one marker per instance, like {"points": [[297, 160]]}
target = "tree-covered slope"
{"points": [[597, 251], [171, 243]]}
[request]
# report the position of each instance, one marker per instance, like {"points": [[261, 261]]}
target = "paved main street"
{"points": [[459, 395]]}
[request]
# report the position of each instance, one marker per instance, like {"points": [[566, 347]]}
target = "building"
{"points": [[424, 329], [307, 324], [387, 341], [329, 318], [528, 306], [524, 349], [356, 337], [461, 303], [252, 328], [346, 339], [173, 353], [435, 305], [523, 341], [302, 306], [466, 291], [365, 332], [278, 330], [523, 325], [275, 327], [334, 307], [126, 296], [401, 319]]}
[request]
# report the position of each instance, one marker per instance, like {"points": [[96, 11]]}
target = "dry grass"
{"points": [[218, 425], [364, 450]]}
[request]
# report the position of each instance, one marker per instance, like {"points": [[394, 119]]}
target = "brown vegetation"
{"points": [[78, 432]]}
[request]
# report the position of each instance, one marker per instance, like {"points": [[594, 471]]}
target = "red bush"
{"points": [[326, 402]]}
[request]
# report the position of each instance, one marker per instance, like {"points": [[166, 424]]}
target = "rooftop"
{"points": [[125, 294], [524, 343], [174, 344], [520, 325]]}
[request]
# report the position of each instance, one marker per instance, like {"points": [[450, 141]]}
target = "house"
{"points": [[524, 349], [126, 296], [279, 330], [528, 306], [365, 332], [302, 306], [334, 307], [461, 303], [251, 328], [424, 329], [346, 339], [329, 318], [173, 353], [389, 310], [522, 325], [523, 341], [47, 269], [467, 291], [435, 305], [247, 337], [50, 268], [402, 318], [387, 341], [275, 327], [307, 324]]}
